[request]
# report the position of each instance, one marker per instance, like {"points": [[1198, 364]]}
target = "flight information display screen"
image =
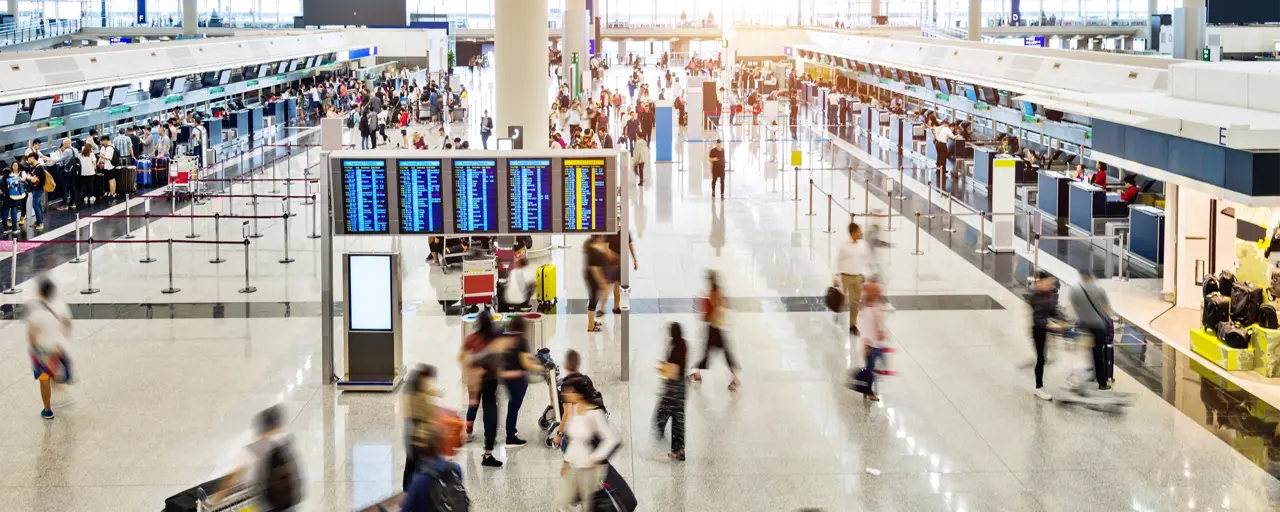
{"points": [[475, 196], [584, 195], [421, 196], [364, 194], [529, 195]]}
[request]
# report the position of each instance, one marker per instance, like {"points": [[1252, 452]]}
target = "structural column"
{"points": [[975, 20], [576, 34], [189, 20], [520, 64], [875, 11]]}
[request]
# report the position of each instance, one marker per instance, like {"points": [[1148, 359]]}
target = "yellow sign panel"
{"points": [[797, 157]]}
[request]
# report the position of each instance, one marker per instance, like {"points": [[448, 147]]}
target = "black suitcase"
{"points": [[188, 500], [1267, 318], [1226, 281], [1246, 298], [127, 180], [1233, 335], [1217, 309], [614, 494]]}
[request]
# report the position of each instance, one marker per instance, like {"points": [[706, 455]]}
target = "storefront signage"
{"points": [[217, 90], [119, 110], [173, 99], [251, 83]]}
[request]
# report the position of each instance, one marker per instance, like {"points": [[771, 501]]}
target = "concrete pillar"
{"points": [[13, 9], [520, 65], [189, 19], [975, 20], [1153, 30], [1189, 30], [575, 42], [875, 11]]}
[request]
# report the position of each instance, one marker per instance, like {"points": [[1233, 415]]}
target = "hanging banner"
{"points": [[142, 12], [1015, 12]]}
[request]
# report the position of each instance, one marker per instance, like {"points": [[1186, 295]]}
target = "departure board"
{"points": [[421, 196], [584, 195], [529, 195], [475, 196], [364, 192]]}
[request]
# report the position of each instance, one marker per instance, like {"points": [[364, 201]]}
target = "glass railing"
{"points": [[129, 20], [32, 30]]}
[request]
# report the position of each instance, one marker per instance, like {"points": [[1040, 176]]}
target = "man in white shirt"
{"points": [[942, 135], [833, 106], [853, 264]]}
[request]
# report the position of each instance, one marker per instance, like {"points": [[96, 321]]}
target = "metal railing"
{"points": [[34, 30]]}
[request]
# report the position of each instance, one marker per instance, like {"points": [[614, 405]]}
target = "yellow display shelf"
{"points": [[1208, 346]]}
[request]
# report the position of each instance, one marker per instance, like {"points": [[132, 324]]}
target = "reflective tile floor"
{"points": [[164, 398]]}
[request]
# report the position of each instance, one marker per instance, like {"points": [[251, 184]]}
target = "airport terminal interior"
{"points": [[925, 256]]}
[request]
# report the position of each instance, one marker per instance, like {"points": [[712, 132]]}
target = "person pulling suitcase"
{"points": [[1093, 315]]}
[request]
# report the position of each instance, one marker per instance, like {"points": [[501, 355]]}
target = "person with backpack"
{"points": [[34, 176], [366, 128], [15, 197], [1093, 315], [674, 392], [437, 481], [589, 442], [418, 407], [269, 464]]}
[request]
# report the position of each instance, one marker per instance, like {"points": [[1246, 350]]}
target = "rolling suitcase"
{"points": [[614, 494], [127, 182], [160, 171], [144, 172], [189, 500], [546, 283]]}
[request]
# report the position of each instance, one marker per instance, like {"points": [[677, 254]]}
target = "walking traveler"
{"points": [[640, 156], [486, 130], [518, 361], [481, 360], [1093, 314], [853, 264], [48, 329], [874, 344], [717, 169], [1044, 307], [595, 256], [613, 271], [269, 464], [942, 136], [589, 442], [437, 482], [674, 391], [714, 312], [418, 407]]}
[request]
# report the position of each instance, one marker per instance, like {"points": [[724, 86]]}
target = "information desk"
{"points": [[1090, 204], [1052, 189], [1146, 233], [410, 192]]}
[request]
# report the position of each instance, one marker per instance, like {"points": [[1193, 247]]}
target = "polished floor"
{"points": [[169, 382]]}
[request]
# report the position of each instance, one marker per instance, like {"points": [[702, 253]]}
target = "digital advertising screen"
{"points": [[529, 195], [370, 295], [475, 196], [585, 194], [421, 196], [364, 196]]}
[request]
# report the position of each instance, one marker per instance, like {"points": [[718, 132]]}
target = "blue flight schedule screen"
{"points": [[364, 192], [475, 196], [529, 195], [585, 192], [421, 196]]}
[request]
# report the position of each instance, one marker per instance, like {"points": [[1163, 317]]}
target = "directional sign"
{"points": [[516, 134]]}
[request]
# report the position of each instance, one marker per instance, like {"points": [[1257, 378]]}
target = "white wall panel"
{"points": [[1222, 87], [1263, 90]]}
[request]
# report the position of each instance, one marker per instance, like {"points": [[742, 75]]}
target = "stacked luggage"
{"points": [[1232, 306]]}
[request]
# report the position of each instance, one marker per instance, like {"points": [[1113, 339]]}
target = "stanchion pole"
{"points": [[88, 283], [889, 226], [810, 214], [796, 194], [170, 289], [247, 288], [1035, 260], [306, 191], [1030, 229], [982, 234], [275, 188], [951, 218], [288, 210], [866, 197], [286, 258], [13, 268], [252, 192], [848, 194], [146, 217], [902, 189], [930, 199], [917, 252], [830, 207], [217, 237], [256, 233], [192, 217], [1124, 255], [77, 259], [128, 226], [315, 218]]}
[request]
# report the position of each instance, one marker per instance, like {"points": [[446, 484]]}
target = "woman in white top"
{"points": [[715, 306], [88, 169], [590, 441]]}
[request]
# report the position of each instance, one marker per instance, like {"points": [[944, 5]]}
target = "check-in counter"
{"points": [[984, 155], [1091, 204], [213, 127], [896, 126], [1146, 233], [1053, 191], [930, 148], [255, 119], [239, 121]]}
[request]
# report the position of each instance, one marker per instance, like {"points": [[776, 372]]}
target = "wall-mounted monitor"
{"points": [[1242, 12], [1028, 108], [248, 72], [971, 94], [475, 196], [364, 196], [1052, 115], [929, 83], [529, 188], [295, 65], [421, 194], [282, 67], [9, 113], [944, 86], [93, 99], [894, 73], [42, 109], [585, 195], [225, 77], [264, 70], [178, 85], [120, 94], [311, 61], [157, 88]]}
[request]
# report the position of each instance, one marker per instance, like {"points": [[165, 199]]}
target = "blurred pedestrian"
{"points": [[481, 360], [874, 343], [48, 329], [518, 361], [267, 464], [714, 313], [1044, 308], [674, 391], [418, 407], [590, 441]]}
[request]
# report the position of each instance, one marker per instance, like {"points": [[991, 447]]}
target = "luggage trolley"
{"points": [[479, 282], [243, 498], [181, 174]]}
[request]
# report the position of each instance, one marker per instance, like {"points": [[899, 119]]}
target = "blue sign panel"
{"points": [[142, 12]]}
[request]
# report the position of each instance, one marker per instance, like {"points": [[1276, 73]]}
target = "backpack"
{"points": [[16, 189], [1210, 285], [447, 492], [283, 487], [351, 120]]}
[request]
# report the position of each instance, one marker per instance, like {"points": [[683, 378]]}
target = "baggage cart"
{"points": [[242, 498], [479, 281]]}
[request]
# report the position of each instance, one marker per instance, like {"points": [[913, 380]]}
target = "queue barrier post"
{"points": [[247, 288], [192, 216], [13, 268], [1035, 260], [810, 214], [128, 226], [830, 208], [917, 252], [147, 237], [315, 218], [889, 222], [256, 233], [275, 188], [902, 191], [1030, 229], [170, 289], [796, 180], [1124, 257], [306, 191], [77, 259], [866, 199], [217, 237], [982, 234], [286, 258], [88, 283], [951, 218], [253, 193], [848, 194]]}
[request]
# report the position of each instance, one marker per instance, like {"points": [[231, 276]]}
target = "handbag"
{"points": [[835, 299]]}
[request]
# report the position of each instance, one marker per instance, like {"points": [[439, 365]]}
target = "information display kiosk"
{"points": [[529, 186], [585, 195], [421, 196], [475, 196], [372, 331], [364, 194]]}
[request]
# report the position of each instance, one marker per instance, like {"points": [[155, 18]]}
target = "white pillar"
{"points": [[520, 65], [189, 21], [875, 10], [975, 20], [575, 42]]}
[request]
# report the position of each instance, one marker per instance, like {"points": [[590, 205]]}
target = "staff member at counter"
{"points": [[1130, 194], [942, 136], [1100, 178]]}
